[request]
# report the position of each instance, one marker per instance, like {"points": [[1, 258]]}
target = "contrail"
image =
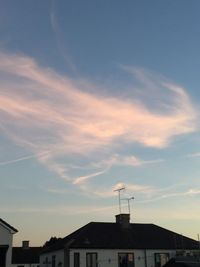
{"points": [[21, 159]]}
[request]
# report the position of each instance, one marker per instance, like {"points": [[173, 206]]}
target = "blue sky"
{"points": [[95, 95]]}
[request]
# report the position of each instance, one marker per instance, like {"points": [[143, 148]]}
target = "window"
{"points": [[53, 263], [3, 251], [126, 259], [91, 260], [46, 262], [161, 259], [76, 259]]}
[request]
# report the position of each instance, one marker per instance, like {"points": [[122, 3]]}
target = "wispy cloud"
{"points": [[127, 160], [158, 196], [147, 193], [45, 111], [16, 160], [131, 189], [193, 155], [8, 162], [82, 179], [106, 164]]}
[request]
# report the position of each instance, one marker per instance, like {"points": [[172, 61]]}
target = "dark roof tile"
{"points": [[113, 236], [25, 255]]}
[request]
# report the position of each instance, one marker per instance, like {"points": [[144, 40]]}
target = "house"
{"points": [[6, 237], [119, 244], [25, 256]]}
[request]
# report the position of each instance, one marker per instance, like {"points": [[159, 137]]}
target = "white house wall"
{"points": [[6, 238], [59, 258], [106, 257], [109, 258]]}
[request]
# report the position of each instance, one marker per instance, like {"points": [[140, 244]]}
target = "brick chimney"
{"points": [[123, 219], [25, 244]]}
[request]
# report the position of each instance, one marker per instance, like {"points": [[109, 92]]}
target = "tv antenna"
{"points": [[128, 200], [119, 191]]}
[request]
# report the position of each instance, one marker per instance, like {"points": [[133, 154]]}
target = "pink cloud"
{"points": [[46, 111]]}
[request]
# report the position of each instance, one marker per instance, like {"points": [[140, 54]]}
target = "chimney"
{"points": [[123, 219], [25, 244]]}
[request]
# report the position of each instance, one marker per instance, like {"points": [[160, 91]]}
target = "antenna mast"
{"points": [[119, 191], [129, 199]]}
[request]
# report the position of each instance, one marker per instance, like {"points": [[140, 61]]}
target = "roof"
{"points": [[25, 255], [99, 235], [8, 225]]}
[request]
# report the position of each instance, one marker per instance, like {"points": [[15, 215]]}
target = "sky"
{"points": [[95, 96]]}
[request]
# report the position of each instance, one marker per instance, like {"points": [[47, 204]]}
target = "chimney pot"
{"points": [[25, 244]]}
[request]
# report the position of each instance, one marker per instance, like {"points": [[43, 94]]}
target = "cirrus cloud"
{"points": [[54, 116]]}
